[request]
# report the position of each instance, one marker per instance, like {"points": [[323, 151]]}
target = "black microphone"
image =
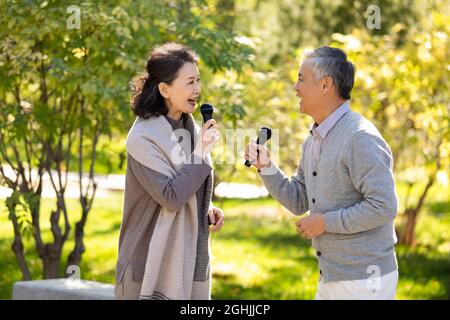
{"points": [[207, 112], [264, 135]]}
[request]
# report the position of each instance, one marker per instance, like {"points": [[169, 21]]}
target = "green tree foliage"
{"points": [[62, 89]]}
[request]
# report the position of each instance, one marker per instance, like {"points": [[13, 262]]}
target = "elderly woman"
{"points": [[168, 215]]}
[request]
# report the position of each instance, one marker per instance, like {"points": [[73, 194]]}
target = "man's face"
{"points": [[308, 90]]}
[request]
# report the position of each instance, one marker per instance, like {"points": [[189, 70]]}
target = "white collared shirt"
{"points": [[319, 132]]}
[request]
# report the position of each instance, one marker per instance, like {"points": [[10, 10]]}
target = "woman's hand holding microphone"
{"points": [[207, 139]]}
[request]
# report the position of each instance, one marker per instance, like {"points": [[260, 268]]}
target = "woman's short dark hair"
{"points": [[163, 65]]}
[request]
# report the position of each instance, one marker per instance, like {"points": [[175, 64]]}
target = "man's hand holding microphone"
{"points": [[256, 153]]}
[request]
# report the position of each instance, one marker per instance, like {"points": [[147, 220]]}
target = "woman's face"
{"points": [[182, 94]]}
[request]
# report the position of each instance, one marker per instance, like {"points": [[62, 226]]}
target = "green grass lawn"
{"points": [[257, 255]]}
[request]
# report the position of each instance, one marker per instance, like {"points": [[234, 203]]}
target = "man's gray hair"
{"points": [[328, 61]]}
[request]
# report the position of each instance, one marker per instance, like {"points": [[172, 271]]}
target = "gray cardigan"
{"points": [[353, 185]]}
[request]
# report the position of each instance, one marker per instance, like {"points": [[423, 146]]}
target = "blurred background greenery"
{"points": [[64, 108]]}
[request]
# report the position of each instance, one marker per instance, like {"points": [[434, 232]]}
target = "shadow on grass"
{"points": [[267, 232], [282, 283], [423, 267], [113, 228], [286, 261]]}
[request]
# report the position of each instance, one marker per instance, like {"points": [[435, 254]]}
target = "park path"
{"points": [[116, 182]]}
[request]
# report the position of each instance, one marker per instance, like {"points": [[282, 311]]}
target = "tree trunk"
{"points": [[17, 247], [51, 267], [226, 20], [408, 236], [77, 252]]}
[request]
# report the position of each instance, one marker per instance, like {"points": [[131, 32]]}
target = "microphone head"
{"points": [[207, 111], [265, 133]]}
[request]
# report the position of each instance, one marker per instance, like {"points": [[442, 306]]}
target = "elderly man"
{"points": [[344, 179]]}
